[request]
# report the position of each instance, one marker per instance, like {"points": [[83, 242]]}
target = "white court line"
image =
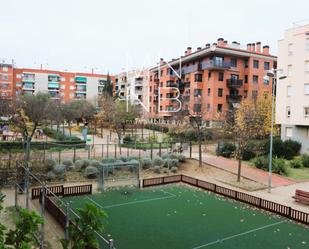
{"points": [[240, 234], [133, 202]]}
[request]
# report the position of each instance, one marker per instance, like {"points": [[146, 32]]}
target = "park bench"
{"points": [[301, 196]]}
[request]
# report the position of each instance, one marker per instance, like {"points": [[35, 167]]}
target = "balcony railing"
{"points": [[233, 98], [216, 64], [234, 83]]}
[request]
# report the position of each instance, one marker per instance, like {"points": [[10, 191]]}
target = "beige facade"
{"points": [[292, 107]]}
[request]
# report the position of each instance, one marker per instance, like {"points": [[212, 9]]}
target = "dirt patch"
{"points": [[211, 174]]}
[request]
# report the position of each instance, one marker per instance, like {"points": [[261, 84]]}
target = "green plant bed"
{"points": [[59, 136], [146, 146]]}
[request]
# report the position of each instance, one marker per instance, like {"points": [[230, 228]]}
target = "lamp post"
{"points": [[272, 74]]}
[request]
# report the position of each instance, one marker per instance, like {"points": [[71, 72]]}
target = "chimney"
{"points": [[258, 47], [252, 47], [198, 49], [214, 44], [220, 42], [207, 45], [189, 50], [225, 43], [266, 49], [249, 47], [161, 61]]}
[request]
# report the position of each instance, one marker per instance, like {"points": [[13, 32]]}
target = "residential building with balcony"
{"points": [[292, 100], [60, 85], [133, 86], [209, 81]]}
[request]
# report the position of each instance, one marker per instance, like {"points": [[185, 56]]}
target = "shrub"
{"points": [[124, 159], [296, 164], [175, 163], [91, 172], [173, 156], [158, 161], [156, 169], [291, 149], [146, 163], [59, 169], [87, 163], [79, 164], [226, 149], [50, 176], [128, 139], [108, 160], [95, 163], [167, 163], [249, 151], [50, 164], [279, 166], [165, 155], [174, 169], [67, 162], [152, 139], [305, 160]]}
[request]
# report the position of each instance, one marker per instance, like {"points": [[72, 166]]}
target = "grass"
{"points": [[299, 174], [182, 217], [144, 146]]}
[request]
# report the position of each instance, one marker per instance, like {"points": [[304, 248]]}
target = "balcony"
{"points": [[81, 80], [53, 78], [27, 79], [233, 98], [216, 65], [28, 86], [171, 84], [52, 86], [187, 84], [234, 83]]}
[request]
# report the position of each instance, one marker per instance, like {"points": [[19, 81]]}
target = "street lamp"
{"points": [[272, 74]]}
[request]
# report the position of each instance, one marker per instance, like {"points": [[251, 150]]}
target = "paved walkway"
{"points": [[246, 171]]}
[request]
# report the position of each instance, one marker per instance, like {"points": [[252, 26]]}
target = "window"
{"points": [[255, 64], [306, 112], [71, 79], [208, 107], [307, 44], [4, 77], [5, 69], [307, 89], [197, 92], [254, 94], [246, 63], [18, 76], [288, 131], [306, 66], [288, 111], [198, 77], [208, 92], [265, 94], [197, 108], [221, 76], [220, 92], [289, 70], [209, 75], [290, 48], [246, 93], [62, 79], [72, 87], [255, 79], [266, 65], [289, 91], [266, 80], [246, 78], [71, 95], [219, 108], [233, 62], [62, 87]]}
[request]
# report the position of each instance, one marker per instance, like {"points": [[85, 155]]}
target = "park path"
{"points": [[249, 172]]}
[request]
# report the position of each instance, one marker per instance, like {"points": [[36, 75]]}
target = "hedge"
{"points": [[59, 136]]}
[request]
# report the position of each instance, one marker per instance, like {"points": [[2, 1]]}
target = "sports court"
{"points": [[183, 217]]}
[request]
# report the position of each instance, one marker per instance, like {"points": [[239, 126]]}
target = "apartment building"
{"points": [[60, 85], [132, 85], [6, 81], [209, 81], [292, 105]]}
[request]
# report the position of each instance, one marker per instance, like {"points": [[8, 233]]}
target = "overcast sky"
{"points": [[78, 35]]}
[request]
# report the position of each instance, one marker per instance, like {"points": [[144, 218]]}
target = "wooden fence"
{"points": [[274, 207], [60, 190]]}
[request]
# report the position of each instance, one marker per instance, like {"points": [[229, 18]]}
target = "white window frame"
{"points": [[307, 66], [307, 44], [72, 87], [289, 70], [306, 86], [287, 111], [5, 69], [290, 133], [306, 115], [289, 91], [290, 50]]}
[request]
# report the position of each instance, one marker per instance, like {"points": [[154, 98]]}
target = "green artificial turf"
{"points": [[182, 217]]}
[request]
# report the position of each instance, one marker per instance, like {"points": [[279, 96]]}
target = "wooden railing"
{"points": [[60, 190], [274, 207]]}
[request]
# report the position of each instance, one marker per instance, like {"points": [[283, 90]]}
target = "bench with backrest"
{"points": [[301, 196]]}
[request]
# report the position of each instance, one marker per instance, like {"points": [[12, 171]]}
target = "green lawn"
{"points": [[182, 217], [299, 174]]}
